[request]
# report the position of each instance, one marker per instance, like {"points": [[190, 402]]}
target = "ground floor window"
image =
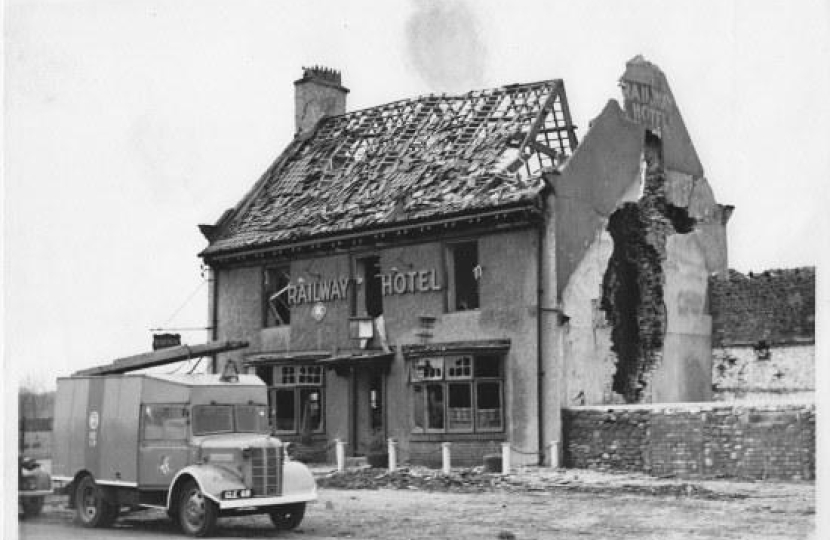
{"points": [[458, 394], [295, 397]]}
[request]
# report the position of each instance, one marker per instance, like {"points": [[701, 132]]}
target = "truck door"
{"points": [[163, 448]]}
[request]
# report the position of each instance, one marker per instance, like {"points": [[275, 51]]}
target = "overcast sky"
{"points": [[128, 123]]}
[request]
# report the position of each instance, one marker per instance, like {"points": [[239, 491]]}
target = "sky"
{"points": [[128, 123]]}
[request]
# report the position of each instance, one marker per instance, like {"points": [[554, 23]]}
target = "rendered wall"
{"points": [[508, 300], [694, 440], [788, 374]]}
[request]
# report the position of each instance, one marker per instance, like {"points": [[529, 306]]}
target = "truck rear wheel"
{"points": [[288, 516], [91, 507], [197, 513]]}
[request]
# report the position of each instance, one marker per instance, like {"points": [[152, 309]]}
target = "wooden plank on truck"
{"points": [[161, 357]]}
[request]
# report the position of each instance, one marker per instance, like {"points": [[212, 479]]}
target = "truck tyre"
{"points": [[91, 507], [32, 506], [288, 516], [197, 513]]}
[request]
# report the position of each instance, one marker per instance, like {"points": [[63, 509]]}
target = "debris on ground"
{"points": [[475, 480]]}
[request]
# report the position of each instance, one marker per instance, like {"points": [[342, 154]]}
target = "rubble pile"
{"points": [[475, 480]]}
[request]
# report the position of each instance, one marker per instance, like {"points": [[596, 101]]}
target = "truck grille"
{"points": [[266, 472]]}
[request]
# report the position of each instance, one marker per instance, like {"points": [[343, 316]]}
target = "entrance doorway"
{"points": [[368, 410]]}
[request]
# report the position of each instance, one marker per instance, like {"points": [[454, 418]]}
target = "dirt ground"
{"points": [[532, 504]]}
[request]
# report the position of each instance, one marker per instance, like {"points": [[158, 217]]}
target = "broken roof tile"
{"points": [[437, 154]]}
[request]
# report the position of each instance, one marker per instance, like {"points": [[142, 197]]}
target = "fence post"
{"points": [[505, 458], [553, 451], [392, 450], [445, 457], [340, 453]]}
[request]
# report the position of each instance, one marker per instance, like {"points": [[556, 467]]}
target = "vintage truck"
{"points": [[198, 446]]}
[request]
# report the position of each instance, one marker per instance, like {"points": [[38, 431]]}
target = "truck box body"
{"points": [[97, 420]]}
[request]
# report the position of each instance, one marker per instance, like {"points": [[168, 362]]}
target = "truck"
{"points": [[197, 446]]}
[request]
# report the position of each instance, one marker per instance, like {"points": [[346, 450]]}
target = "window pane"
{"points": [[165, 422], [460, 368], [212, 419], [435, 406], [311, 410], [489, 411], [428, 369], [418, 408], [460, 407], [488, 366], [251, 418], [283, 404]]}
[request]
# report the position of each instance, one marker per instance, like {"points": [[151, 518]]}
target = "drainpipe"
{"points": [[540, 372], [213, 276]]}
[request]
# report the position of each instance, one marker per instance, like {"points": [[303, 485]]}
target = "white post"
{"points": [[505, 458], [392, 450], [445, 457], [340, 453], [553, 451]]}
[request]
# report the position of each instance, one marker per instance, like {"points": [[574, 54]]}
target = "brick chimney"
{"points": [[318, 94]]}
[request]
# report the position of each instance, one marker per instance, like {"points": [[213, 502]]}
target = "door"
{"points": [[370, 409], [163, 448]]}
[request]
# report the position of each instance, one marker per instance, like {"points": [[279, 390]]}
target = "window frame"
{"points": [[285, 268], [419, 391], [451, 297], [296, 386]]}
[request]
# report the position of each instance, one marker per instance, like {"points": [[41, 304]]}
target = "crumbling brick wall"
{"points": [[632, 289], [776, 306], [763, 332], [694, 440]]}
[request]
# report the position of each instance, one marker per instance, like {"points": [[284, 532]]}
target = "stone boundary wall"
{"points": [[694, 440]]}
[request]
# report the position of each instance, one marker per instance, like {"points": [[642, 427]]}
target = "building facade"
{"points": [[459, 268]]}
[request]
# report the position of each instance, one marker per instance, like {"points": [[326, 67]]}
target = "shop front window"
{"points": [[296, 399], [457, 394]]}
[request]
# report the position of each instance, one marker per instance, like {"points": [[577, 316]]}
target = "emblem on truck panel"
{"points": [[164, 466], [93, 420]]}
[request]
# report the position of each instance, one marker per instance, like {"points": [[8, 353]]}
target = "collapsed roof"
{"points": [[407, 161]]}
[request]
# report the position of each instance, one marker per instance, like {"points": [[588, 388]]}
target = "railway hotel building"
{"points": [[459, 268]]}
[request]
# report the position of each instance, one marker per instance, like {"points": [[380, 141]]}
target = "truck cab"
{"points": [[198, 446]]}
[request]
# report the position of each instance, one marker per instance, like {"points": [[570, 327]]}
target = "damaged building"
{"points": [[460, 268]]}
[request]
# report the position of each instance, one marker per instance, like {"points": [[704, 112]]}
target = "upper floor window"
{"points": [[368, 298], [275, 286], [463, 276]]}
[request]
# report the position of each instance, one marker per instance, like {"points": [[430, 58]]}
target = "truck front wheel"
{"points": [[91, 508], [288, 516], [197, 513]]}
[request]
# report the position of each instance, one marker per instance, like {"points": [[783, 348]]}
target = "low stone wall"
{"points": [[694, 440]]}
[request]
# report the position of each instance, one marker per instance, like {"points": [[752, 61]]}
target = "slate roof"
{"points": [[410, 160], [775, 306]]}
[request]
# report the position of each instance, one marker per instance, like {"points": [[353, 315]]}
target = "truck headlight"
{"points": [[236, 494]]}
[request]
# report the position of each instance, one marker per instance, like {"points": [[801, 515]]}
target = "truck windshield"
{"points": [[252, 418], [212, 419]]}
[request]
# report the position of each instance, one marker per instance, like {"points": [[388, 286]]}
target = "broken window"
{"points": [[464, 273], [296, 399], [275, 287], [368, 299], [458, 394]]}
